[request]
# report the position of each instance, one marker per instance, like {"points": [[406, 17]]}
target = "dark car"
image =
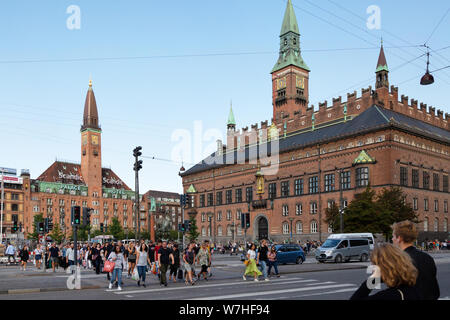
{"points": [[290, 253]]}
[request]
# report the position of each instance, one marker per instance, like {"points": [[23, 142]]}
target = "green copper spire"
{"points": [[290, 42], [289, 21], [231, 120]]}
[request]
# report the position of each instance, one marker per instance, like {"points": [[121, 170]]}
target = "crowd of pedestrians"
{"points": [[407, 272]]}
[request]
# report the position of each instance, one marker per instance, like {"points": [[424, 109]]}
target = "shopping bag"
{"points": [[135, 275], [109, 266], [246, 262], [154, 271]]}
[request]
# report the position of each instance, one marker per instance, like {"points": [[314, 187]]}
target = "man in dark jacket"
{"points": [[403, 236]]}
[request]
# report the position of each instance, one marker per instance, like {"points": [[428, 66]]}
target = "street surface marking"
{"points": [[320, 293], [252, 294], [242, 282]]}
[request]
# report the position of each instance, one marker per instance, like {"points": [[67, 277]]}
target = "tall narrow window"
{"points": [[298, 185], [415, 178], [272, 190], [329, 182], [403, 176], [362, 177], [314, 184]]}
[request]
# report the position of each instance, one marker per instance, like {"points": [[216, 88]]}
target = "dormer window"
{"points": [[295, 41], [285, 41]]}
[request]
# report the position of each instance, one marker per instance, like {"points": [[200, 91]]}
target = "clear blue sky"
{"points": [[143, 101]]}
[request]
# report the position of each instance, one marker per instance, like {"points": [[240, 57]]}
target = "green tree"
{"points": [[369, 212], [394, 208], [115, 229], [145, 235], [332, 217], [36, 219], [193, 233], [57, 235]]}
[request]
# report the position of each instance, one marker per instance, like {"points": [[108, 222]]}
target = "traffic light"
{"points": [[50, 224], [137, 165], [187, 225], [41, 227], [76, 215], [137, 151], [245, 220], [101, 227], [188, 200], [182, 200], [181, 227], [14, 227], [45, 225], [86, 216]]}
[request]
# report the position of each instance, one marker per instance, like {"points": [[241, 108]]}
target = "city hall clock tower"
{"points": [[290, 75], [91, 156]]}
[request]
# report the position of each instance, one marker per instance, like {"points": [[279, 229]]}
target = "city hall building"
{"points": [[324, 156]]}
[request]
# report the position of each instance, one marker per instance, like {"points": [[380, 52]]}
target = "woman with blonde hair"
{"points": [[395, 269]]}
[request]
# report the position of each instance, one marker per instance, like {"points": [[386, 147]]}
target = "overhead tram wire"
{"points": [[88, 59], [437, 26], [355, 26]]}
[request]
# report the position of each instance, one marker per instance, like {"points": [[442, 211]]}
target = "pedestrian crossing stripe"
{"points": [[274, 292], [278, 281]]}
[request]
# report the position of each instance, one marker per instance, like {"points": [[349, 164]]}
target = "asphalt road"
{"points": [[226, 284]]}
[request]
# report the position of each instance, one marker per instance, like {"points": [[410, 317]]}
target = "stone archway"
{"points": [[263, 228]]}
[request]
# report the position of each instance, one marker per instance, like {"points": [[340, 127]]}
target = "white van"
{"points": [[368, 236]]}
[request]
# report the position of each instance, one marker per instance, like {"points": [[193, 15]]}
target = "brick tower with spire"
{"points": [[91, 155], [290, 75]]}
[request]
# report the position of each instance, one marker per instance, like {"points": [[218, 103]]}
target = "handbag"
{"points": [[246, 262], [109, 266], [135, 275], [180, 274], [154, 269]]}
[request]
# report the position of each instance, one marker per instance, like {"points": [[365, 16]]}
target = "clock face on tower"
{"points": [[95, 140], [300, 82], [281, 83]]}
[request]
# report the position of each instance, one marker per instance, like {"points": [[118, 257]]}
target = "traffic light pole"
{"points": [[184, 232], [138, 224]]}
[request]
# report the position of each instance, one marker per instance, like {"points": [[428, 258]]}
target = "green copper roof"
{"points": [[231, 117], [191, 189], [290, 53], [289, 21], [363, 158]]}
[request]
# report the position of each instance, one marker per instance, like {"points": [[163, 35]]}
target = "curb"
{"points": [[37, 290]]}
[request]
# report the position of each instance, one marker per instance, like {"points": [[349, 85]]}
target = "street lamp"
{"points": [[291, 219], [210, 215]]}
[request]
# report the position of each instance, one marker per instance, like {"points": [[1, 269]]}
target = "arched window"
{"points": [[436, 224], [313, 226], [299, 227], [445, 225], [285, 228], [219, 231], [203, 232], [239, 230], [425, 224], [229, 231]]}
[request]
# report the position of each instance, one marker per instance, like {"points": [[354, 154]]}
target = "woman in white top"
{"points": [[38, 256], [142, 259], [251, 265]]}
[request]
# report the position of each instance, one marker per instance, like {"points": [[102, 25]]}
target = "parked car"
{"points": [[346, 249], [290, 253]]}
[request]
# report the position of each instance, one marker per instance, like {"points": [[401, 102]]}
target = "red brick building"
{"points": [[373, 138]]}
